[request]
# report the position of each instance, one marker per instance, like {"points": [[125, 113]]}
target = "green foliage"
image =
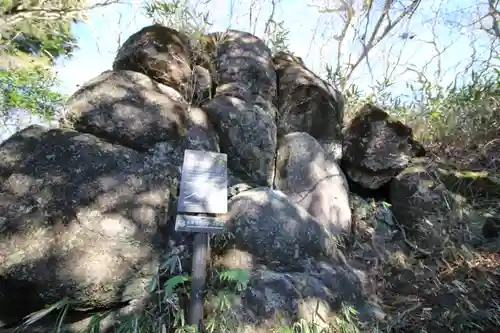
{"points": [[278, 39], [40, 27], [62, 307], [344, 322], [30, 89], [174, 282], [34, 33], [237, 275], [177, 15]]}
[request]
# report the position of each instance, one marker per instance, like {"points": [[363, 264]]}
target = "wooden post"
{"points": [[198, 278], [203, 190]]}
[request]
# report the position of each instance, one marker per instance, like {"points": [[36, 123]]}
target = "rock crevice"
{"points": [[88, 212]]}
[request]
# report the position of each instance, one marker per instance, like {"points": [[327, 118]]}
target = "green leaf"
{"points": [[30, 89], [174, 282]]}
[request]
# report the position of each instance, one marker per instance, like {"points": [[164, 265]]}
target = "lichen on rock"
{"points": [[88, 214]]}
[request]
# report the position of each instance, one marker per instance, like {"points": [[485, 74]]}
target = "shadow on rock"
{"points": [[81, 217]]}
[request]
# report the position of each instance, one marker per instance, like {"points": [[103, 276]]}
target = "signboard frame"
{"points": [[201, 209]]}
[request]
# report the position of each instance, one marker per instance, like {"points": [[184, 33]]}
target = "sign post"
{"points": [[202, 201]]}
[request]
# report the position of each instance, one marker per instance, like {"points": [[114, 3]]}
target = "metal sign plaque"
{"points": [[197, 223], [202, 190], [203, 187]]}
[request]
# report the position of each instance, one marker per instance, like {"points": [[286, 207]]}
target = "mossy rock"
{"points": [[468, 183], [432, 201], [471, 183]]}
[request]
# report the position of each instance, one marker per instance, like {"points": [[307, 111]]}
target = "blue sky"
{"points": [[311, 37]]}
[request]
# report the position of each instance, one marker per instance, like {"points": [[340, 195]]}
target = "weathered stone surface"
{"points": [[163, 54], [247, 134], [244, 68], [237, 185], [80, 218], [277, 232], [200, 136], [377, 147], [428, 205], [128, 108], [274, 300], [202, 85], [201, 133], [311, 180], [308, 104], [17, 147]]}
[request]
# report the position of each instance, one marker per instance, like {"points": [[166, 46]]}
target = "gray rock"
{"points": [[244, 67], [128, 108], [306, 175], [274, 299], [308, 104], [275, 231], [202, 85], [428, 202], [377, 147], [247, 134], [200, 136], [162, 53], [82, 218]]}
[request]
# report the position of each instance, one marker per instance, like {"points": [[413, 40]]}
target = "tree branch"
{"points": [[22, 12], [374, 40]]}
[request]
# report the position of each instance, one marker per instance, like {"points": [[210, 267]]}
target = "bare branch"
{"points": [[494, 14], [341, 38], [270, 20], [375, 39]]}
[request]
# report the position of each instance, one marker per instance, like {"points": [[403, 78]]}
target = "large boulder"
{"points": [[277, 232], [247, 134], [308, 104], [297, 271], [244, 68], [377, 147], [80, 218], [162, 53], [242, 109], [128, 108], [306, 175]]}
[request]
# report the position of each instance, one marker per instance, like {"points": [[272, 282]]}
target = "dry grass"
{"points": [[456, 288], [445, 276]]}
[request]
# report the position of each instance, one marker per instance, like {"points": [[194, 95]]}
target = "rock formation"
{"points": [[87, 211], [308, 104], [377, 147]]}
